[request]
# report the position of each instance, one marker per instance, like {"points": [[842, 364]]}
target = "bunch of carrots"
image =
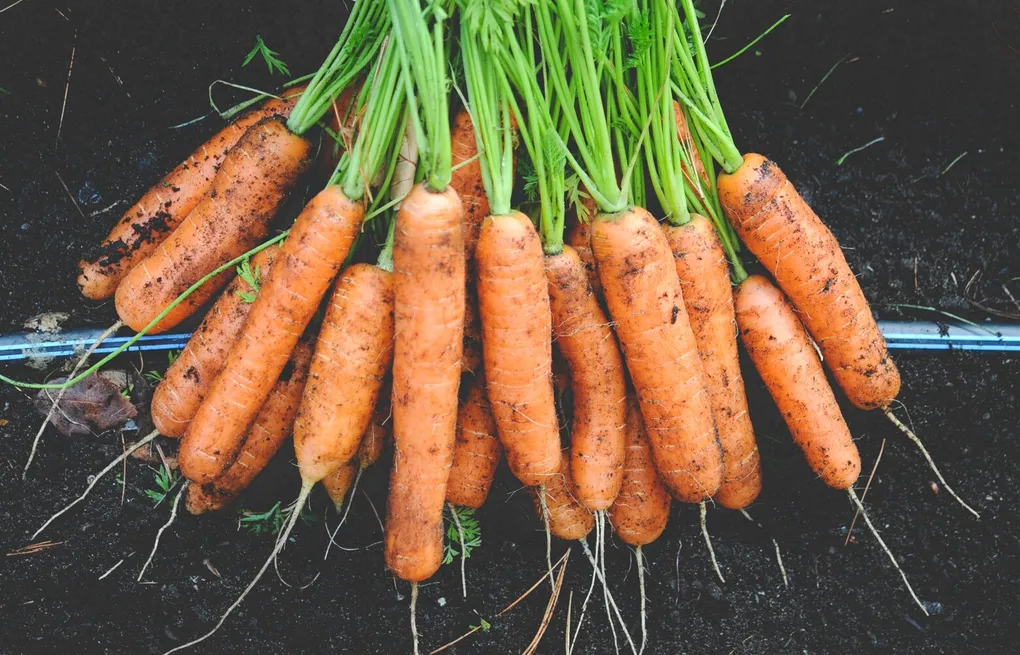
{"points": [[454, 277]]}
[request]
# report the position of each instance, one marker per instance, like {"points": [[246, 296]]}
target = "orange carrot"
{"points": [[568, 518], [583, 334], [578, 236], [467, 179], [308, 261], [645, 301], [473, 358], [234, 216], [352, 356], [641, 510], [188, 380], [477, 451], [803, 256], [513, 301], [782, 352], [338, 482], [163, 207], [379, 433], [271, 428], [704, 277], [429, 280]]}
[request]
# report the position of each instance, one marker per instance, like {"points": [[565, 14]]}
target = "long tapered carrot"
{"points": [[786, 235], [646, 303], [477, 451], [568, 518], [308, 261], [352, 356], [641, 509], [466, 179], [584, 336], [704, 277], [251, 184], [188, 380], [271, 428], [513, 301], [429, 279], [163, 207], [782, 352]]}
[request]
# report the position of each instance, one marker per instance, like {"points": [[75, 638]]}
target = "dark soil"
{"points": [[935, 79]]}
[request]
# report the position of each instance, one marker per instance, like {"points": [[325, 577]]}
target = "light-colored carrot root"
{"points": [[463, 550], [414, 618], [779, 554], [644, 598], [95, 480], [612, 602], [162, 529], [60, 394], [281, 541], [892, 558], [924, 451], [703, 510]]}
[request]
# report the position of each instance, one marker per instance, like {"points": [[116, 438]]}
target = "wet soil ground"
{"points": [[935, 79]]}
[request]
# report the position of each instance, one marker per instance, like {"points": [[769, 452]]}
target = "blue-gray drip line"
{"points": [[900, 335]]}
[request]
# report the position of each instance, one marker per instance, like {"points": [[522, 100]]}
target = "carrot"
{"points": [[513, 301], [472, 360], [641, 510], [338, 482], [477, 451], [782, 352], [568, 518], [708, 298], [428, 267], [188, 380], [578, 237], [271, 428], [352, 356], [645, 300], [791, 241], [466, 179], [699, 178], [163, 207], [379, 433], [584, 336], [251, 184], [306, 265]]}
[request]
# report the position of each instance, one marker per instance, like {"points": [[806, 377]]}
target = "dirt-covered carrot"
{"points": [[429, 281], [472, 359], [568, 518], [163, 207], [338, 482], [635, 264], [251, 184], [466, 179], [641, 509], [782, 352], [189, 378], [271, 428], [578, 237], [477, 450], [379, 433]]}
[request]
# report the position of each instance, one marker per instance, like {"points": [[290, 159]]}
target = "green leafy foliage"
{"points": [[271, 57], [483, 626], [272, 520], [155, 376], [468, 525], [166, 480], [254, 279]]}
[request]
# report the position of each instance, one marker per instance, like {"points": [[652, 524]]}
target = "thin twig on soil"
{"points": [[822, 81], [32, 549], [67, 87], [839, 162]]}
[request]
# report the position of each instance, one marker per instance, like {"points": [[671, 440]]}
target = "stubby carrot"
{"points": [[308, 261], [568, 518], [477, 450], [800, 252], [583, 334], [271, 428], [782, 352], [234, 216], [163, 207], [188, 380]]}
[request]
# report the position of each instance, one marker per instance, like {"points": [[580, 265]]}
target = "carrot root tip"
{"points": [[703, 510]]}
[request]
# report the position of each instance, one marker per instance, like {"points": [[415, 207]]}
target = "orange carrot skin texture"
{"points": [[379, 433], [708, 297], [232, 218], [339, 482], [645, 301], [163, 207], [267, 434], [786, 235], [429, 280], [568, 518], [352, 355], [188, 380], [513, 301], [473, 359], [683, 132], [578, 237], [477, 451], [584, 336], [641, 510], [308, 260], [782, 352], [467, 179]]}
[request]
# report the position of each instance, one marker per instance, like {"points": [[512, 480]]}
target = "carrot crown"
{"points": [[354, 51], [423, 60]]}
